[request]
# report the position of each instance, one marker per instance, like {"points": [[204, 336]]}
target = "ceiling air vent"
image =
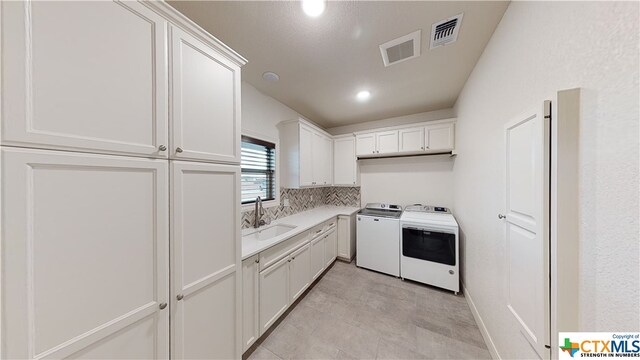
{"points": [[445, 32], [401, 49]]}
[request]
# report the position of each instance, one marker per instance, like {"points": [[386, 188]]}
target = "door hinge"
{"points": [[547, 109]]}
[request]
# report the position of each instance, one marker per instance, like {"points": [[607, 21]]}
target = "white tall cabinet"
{"points": [[85, 234]]}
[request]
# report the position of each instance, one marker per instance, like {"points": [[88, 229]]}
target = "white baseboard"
{"points": [[483, 329]]}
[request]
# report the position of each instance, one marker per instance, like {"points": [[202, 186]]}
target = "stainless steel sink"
{"points": [[268, 232]]}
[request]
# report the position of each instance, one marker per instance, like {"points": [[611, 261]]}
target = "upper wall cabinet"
{"points": [[436, 137], [205, 101], [72, 80], [345, 167], [306, 155], [411, 139]]}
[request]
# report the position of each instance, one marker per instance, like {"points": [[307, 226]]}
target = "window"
{"points": [[258, 170]]}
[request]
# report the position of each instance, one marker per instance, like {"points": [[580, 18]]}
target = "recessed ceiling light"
{"points": [[270, 76], [363, 95], [314, 8]]}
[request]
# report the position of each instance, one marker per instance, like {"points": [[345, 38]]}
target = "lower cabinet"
{"points": [[346, 237], [299, 272], [317, 257], [274, 293], [330, 246], [250, 291]]}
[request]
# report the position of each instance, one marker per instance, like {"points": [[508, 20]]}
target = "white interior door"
{"points": [[527, 227], [206, 268], [206, 102], [70, 77], [85, 241]]}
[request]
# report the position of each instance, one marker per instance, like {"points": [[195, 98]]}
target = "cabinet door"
{"points": [[317, 257], [344, 240], [366, 144], [82, 83], [306, 156], [327, 160], [318, 158], [274, 293], [330, 247], [387, 142], [439, 137], [411, 139], [206, 268], [85, 242], [250, 325], [206, 102], [344, 161], [299, 272]]}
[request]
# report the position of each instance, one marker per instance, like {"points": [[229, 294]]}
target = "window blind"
{"points": [[258, 170]]}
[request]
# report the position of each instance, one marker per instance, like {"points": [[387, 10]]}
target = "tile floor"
{"points": [[352, 313]]}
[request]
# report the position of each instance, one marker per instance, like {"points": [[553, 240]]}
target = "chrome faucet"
{"points": [[257, 220]]}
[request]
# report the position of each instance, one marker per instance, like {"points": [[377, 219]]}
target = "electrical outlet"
{"points": [[286, 202]]}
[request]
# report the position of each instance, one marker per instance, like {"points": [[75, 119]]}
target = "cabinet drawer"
{"points": [[323, 227], [277, 252]]}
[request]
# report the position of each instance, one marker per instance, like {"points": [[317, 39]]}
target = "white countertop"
{"points": [[303, 221]]}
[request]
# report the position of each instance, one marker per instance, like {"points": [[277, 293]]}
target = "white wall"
{"points": [[395, 121], [405, 181], [537, 49], [261, 113]]}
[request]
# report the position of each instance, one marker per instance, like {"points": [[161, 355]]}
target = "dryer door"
{"points": [[430, 245]]}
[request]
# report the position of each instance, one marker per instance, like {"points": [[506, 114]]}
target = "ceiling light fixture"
{"points": [[270, 76], [363, 95], [314, 8]]}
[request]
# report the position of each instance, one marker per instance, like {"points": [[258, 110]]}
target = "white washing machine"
{"points": [[429, 246], [378, 238]]}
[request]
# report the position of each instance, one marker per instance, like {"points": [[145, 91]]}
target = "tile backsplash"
{"points": [[306, 199]]}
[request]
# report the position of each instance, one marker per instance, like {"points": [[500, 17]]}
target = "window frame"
{"points": [[276, 173]]}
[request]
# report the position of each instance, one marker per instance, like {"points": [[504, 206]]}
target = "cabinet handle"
{"points": [[179, 150], [162, 148], [293, 258], [500, 216], [162, 306], [257, 261], [180, 297], [289, 260], [318, 231]]}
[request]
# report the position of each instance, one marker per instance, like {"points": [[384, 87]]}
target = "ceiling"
{"points": [[323, 62]]}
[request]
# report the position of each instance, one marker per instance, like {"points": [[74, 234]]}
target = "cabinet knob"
{"points": [[373, 152], [500, 216], [427, 147], [257, 261], [422, 148], [178, 149], [162, 306], [162, 148], [179, 297], [289, 260]]}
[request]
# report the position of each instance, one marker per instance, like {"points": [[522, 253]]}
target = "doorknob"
{"points": [[162, 306], [162, 148], [179, 297], [500, 216], [178, 149]]}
